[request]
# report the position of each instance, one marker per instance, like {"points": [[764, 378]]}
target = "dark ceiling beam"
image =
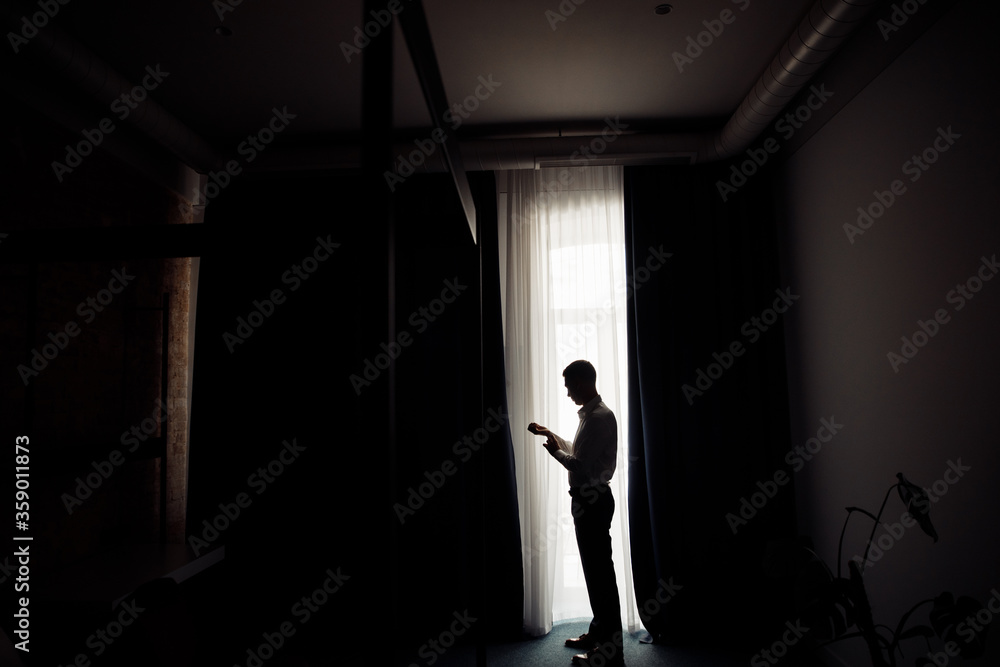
{"points": [[413, 22]]}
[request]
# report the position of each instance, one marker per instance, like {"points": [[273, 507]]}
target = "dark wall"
{"points": [[868, 283], [81, 342]]}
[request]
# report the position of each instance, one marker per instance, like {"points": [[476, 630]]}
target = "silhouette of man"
{"points": [[591, 459]]}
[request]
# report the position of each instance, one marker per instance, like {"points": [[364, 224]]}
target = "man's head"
{"points": [[581, 381]]}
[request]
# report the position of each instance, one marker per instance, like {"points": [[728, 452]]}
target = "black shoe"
{"points": [[597, 658], [583, 641]]}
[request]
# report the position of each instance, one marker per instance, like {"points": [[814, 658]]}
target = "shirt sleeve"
{"points": [[564, 445], [597, 439]]}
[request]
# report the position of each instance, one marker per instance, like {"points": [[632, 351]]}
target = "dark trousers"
{"points": [[592, 509]]}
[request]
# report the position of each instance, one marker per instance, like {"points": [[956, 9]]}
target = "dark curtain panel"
{"points": [[424, 536], [461, 548], [504, 575], [708, 408]]}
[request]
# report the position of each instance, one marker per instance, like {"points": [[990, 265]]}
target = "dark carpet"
{"points": [[550, 650]]}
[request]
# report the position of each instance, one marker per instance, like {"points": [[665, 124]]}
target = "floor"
{"points": [[550, 650]]}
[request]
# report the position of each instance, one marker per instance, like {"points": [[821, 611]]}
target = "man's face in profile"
{"points": [[573, 391]]}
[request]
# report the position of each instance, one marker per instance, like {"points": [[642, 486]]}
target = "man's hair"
{"points": [[581, 371]]}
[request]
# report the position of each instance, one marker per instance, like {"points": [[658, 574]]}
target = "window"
{"points": [[563, 290]]}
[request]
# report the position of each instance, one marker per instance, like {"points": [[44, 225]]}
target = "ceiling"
{"points": [[556, 76]]}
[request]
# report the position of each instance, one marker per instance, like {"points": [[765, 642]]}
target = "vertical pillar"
{"points": [[379, 323]]}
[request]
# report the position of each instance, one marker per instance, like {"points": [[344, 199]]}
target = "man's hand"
{"points": [[550, 441]]}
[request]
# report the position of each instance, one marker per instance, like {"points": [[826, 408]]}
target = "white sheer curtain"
{"points": [[563, 289]]}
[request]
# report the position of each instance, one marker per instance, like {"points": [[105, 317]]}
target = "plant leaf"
{"points": [[954, 621], [917, 504]]}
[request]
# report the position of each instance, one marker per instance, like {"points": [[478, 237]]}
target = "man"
{"points": [[591, 459]]}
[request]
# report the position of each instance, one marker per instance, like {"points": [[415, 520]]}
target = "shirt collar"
{"points": [[589, 406]]}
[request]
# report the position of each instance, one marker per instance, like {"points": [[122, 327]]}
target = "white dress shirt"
{"points": [[593, 455]]}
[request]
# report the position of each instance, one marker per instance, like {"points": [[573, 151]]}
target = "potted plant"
{"points": [[836, 608]]}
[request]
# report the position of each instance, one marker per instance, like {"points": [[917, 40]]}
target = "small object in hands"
{"points": [[533, 428]]}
